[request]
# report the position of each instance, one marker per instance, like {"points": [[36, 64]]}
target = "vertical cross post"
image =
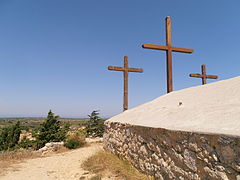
{"points": [[125, 70], [204, 79], [169, 49], [169, 54], [125, 74]]}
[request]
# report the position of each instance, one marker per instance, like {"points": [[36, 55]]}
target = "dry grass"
{"points": [[104, 163], [7, 158]]}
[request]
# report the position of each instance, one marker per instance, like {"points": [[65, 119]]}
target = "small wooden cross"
{"points": [[204, 76], [125, 70], [169, 49]]}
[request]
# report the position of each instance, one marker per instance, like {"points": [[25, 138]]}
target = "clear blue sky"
{"points": [[54, 53]]}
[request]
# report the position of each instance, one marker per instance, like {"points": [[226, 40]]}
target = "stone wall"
{"points": [[167, 154]]}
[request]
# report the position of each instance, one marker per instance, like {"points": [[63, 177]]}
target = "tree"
{"points": [[9, 136], [51, 131], [95, 125]]}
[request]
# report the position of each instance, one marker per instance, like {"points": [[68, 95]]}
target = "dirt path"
{"points": [[63, 166]]}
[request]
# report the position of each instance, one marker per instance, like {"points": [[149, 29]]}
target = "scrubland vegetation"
{"points": [[51, 129]]}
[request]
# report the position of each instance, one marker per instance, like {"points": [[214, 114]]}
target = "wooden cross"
{"points": [[169, 49], [125, 70], [204, 76]]}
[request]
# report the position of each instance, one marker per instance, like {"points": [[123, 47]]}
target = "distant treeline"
{"points": [[29, 123]]}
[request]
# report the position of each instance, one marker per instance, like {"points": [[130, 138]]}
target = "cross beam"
{"points": [[204, 76], [125, 70], [169, 49]]}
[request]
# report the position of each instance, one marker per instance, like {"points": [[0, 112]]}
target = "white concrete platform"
{"points": [[210, 108]]}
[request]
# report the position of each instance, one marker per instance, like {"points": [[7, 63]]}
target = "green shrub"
{"points": [[95, 125], [51, 131], [75, 141], [73, 144], [26, 143], [9, 137]]}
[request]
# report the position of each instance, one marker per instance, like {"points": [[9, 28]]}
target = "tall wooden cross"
{"points": [[169, 49], [125, 70], [204, 76]]}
